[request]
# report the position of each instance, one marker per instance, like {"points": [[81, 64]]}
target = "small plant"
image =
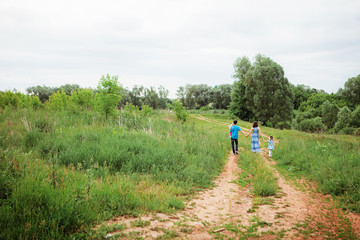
{"points": [[180, 112], [108, 96]]}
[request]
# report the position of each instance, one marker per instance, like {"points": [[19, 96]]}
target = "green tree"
{"points": [[196, 96], [267, 92], [238, 104], [43, 92], [33, 102], [58, 101], [181, 93], [220, 96], [108, 96], [356, 117], [83, 98], [301, 94], [312, 125], [163, 97], [241, 67], [69, 88], [315, 101], [352, 91], [137, 95], [151, 98], [180, 112], [329, 114], [343, 119], [10, 99]]}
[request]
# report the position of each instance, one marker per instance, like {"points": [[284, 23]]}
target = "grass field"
{"points": [[62, 173]]}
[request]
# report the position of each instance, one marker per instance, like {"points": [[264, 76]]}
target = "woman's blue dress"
{"points": [[255, 145]]}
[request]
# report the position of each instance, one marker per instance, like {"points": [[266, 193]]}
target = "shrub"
{"points": [[146, 111], [312, 125], [180, 112], [343, 119], [58, 101], [357, 132], [348, 130], [204, 108], [356, 117], [108, 96], [9, 99], [32, 138], [83, 98], [329, 114]]}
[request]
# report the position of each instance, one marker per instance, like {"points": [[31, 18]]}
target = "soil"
{"points": [[231, 211]]}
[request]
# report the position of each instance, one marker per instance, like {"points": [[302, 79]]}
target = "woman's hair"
{"points": [[255, 124], [271, 137]]}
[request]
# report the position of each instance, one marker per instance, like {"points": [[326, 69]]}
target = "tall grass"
{"points": [[332, 161], [61, 173], [263, 181]]}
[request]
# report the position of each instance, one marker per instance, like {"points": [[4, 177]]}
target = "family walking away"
{"points": [[255, 142]]}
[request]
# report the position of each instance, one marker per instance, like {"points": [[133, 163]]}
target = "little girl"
{"points": [[271, 145]]}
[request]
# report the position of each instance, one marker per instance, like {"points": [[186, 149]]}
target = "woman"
{"points": [[255, 143]]}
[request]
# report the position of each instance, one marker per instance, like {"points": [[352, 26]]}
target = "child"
{"points": [[271, 145]]}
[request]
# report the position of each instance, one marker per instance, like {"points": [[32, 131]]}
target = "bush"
{"points": [[32, 138], [357, 132], [344, 119], [180, 112], [348, 130], [108, 96], [312, 125], [58, 101], [356, 117], [204, 108], [329, 114]]}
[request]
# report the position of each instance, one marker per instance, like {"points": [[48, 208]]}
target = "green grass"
{"points": [[62, 173]]}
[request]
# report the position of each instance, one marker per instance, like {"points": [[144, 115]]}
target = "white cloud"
{"points": [[173, 43]]}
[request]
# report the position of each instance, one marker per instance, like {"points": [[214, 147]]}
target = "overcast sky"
{"points": [[174, 43]]}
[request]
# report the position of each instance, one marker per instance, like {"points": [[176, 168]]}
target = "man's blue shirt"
{"points": [[235, 131]]}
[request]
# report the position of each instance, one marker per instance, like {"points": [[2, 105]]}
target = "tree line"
{"points": [[260, 92]]}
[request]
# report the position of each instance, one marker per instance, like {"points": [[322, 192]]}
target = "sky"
{"points": [[173, 43]]}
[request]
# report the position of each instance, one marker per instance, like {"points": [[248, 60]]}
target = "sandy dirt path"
{"points": [[229, 211]]}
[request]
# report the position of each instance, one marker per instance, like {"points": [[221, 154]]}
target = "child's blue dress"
{"points": [[255, 145], [271, 145]]}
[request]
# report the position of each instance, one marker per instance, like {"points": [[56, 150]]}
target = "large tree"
{"points": [[239, 105], [267, 92], [220, 96], [329, 114], [352, 91], [196, 96]]}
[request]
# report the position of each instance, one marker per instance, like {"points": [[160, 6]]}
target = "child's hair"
{"points": [[235, 121], [271, 138], [255, 124]]}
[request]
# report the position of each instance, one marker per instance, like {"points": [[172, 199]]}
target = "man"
{"points": [[234, 130]]}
